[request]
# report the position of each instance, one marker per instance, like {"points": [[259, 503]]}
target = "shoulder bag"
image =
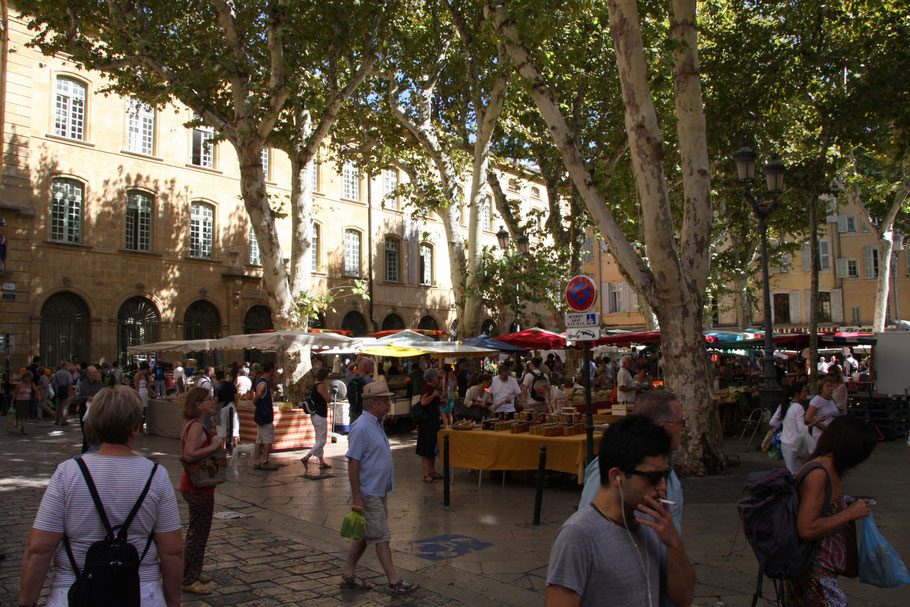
{"points": [[208, 471]]}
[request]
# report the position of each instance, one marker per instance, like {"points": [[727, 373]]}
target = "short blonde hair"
{"points": [[114, 414], [193, 397]]}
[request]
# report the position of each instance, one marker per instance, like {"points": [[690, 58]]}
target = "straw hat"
{"points": [[376, 389]]}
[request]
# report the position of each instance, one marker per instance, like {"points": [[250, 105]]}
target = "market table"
{"points": [[293, 429], [164, 418], [491, 450], [606, 417]]}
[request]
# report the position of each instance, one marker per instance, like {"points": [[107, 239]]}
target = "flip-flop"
{"points": [[355, 583], [429, 479], [401, 587], [324, 466]]}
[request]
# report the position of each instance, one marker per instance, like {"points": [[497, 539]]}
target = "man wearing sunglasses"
{"points": [[622, 548], [663, 409]]}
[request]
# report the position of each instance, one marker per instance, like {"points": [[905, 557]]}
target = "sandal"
{"points": [[197, 587], [324, 466], [305, 460], [437, 476], [401, 588], [429, 479], [355, 583]]}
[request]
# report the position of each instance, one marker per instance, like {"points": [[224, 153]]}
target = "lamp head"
{"points": [[774, 174], [745, 162], [503, 236]]}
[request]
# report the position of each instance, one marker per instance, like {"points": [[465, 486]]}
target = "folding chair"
{"points": [[757, 417]]}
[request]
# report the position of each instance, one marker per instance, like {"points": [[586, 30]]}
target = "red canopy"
{"points": [[535, 339], [636, 337]]}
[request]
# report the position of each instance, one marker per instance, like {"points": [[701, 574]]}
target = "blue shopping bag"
{"points": [[879, 563]]}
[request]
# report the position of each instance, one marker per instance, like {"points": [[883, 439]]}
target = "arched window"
{"points": [[392, 322], [140, 128], [66, 210], [258, 319], [202, 230], [139, 209], [351, 252], [389, 185], [488, 328], [137, 323], [69, 109], [355, 323], [314, 247], [201, 321], [428, 323], [392, 259], [350, 182], [425, 271], [64, 328]]}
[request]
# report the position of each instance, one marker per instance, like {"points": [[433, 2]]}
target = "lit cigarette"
{"points": [[667, 502]]}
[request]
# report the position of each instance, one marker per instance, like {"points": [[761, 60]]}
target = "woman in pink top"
{"points": [[25, 392]]}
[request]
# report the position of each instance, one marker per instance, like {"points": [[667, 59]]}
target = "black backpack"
{"points": [[768, 515], [110, 576]]}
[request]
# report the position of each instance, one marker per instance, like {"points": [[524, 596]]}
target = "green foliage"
{"points": [[309, 305]]}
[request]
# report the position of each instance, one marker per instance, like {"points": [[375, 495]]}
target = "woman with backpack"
{"points": [[845, 443], [120, 477], [793, 417]]}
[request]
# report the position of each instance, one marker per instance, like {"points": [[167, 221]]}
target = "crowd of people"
{"points": [[624, 541]]}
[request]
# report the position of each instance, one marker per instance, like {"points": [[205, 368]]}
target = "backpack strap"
{"points": [[95, 497], [129, 519]]}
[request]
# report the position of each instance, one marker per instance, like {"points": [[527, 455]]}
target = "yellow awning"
{"points": [[393, 350]]}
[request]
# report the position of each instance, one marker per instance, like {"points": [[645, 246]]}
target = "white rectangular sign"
{"points": [[583, 333], [9, 286], [583, 319]]}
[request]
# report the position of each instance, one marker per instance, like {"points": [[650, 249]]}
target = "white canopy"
{"points": [[275, 340], [182, 346], [257, 341]]}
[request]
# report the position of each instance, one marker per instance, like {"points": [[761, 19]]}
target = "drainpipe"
{"points": [[370, 248]]}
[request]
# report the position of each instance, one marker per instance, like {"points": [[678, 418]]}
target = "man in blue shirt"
{"points": [[663, 408], [264, 418], [372, 475]]}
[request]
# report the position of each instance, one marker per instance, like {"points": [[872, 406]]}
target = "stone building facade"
{"points": [[125, 226]]}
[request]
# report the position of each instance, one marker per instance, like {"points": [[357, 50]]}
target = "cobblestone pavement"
{"points": [[483, 550]]}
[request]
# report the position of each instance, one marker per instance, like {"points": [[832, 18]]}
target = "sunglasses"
{"points": [[655, 476], [681, 422]]}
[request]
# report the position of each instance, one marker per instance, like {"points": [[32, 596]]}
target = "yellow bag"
{"points": [[353, 526]]}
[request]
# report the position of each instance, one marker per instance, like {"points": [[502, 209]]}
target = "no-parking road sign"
{"points": [[581, 293]]}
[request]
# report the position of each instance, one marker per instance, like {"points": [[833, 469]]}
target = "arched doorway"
{"points": [[392, 322], [428, 323], [202, 321], [488, 328], [256, 320], [64, 328], [137, 323], [317, 322], [355, 323]]}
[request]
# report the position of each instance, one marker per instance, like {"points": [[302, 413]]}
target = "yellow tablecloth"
{"points": [[489, 450]]}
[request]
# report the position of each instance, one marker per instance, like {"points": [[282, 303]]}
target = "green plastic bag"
{"points": [[775, 453], [353, 526]]}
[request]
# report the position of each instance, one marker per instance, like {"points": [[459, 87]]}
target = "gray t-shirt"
{"points": [[595, 558]]}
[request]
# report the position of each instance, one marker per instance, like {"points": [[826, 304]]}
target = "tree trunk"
{"points": [[685, 363], [302, 162], [882, 290]]}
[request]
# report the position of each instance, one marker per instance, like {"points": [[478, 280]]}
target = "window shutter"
{"points": [[837, 306], [807, 259], [604, 298], [841, 223], [867, 262], [785, 262], [807, 298], [824, 254], [841, 268], [633, 301], [795, 317], [625, 297]]}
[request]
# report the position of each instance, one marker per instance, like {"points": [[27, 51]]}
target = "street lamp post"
{"points": [[771, 393], [524, 245]]}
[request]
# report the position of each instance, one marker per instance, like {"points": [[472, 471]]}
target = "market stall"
{"points": [[491, 450], [293, 428], [164, 418]]}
